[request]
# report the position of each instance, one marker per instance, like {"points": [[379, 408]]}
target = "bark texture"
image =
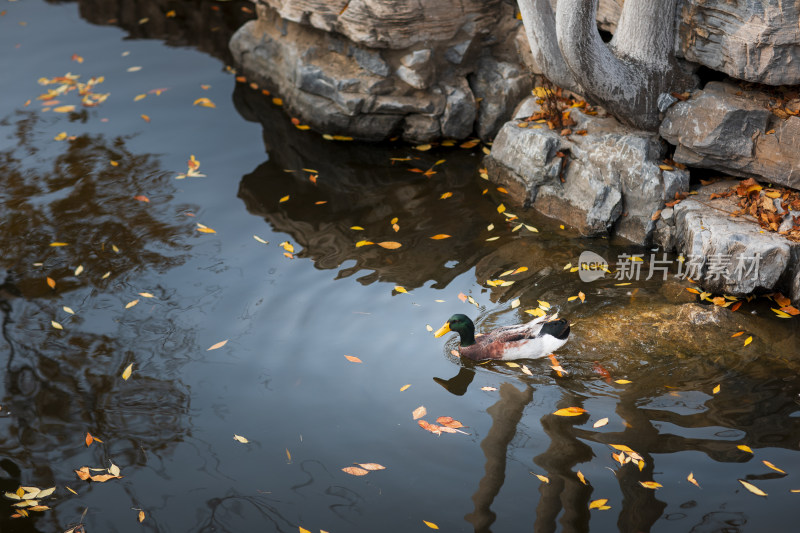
{"points": [[627, 75]]}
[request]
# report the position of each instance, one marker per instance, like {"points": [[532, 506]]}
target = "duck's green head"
{"points": [[462, 325]]}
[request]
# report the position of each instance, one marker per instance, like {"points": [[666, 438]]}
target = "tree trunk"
{"points": [[625, 77], [540, 28]]}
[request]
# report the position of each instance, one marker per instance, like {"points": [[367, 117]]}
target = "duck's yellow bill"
{"points": [[442, 330]]}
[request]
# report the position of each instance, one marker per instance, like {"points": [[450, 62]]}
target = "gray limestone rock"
{"points": [[421, 128], [460, 110], [500, 86], [732, 130], [754, 40], [730, 255], [611, 175]]}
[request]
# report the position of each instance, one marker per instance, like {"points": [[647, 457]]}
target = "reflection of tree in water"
{"points": [[59, 384], [757, 405]]}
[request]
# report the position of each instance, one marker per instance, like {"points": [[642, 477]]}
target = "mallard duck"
{"points": [[533, 340]]}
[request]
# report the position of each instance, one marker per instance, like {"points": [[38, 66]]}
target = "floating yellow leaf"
{"points": [[277, 101], [146, 295], [596, 504], [259, 239], [205, 102], [145, 118], [131, 304], [141, 516], [61, 136], [68, 310], [284, 199], [51, 283], [512, 365], [621, 447], [430, 524], [202, 228], [692, 480], [390, 245], [716, 389], [64, 109], [570, 411], [745, 448], [582, 477], [772, 466], [488, 389], [353, 359], [56, 324], [445, 196], [781, 314], [581, 296], [543, 479], [600, 423], [748, 340], [303, 530], [419, 412], [241, 439], [650, 484], [357, 228], [220, 344], [423, 147], [405, 387], [544, 305], [752, 488], [440, 236], [359, 244], [355, 471], [127, 372], [139, 97], [515, 304], [286, 245], [78, 270], [623, 381], [526, 370], [501, 208], [398, 288]]}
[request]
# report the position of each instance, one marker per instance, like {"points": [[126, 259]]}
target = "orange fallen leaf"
{"points": [[433, 428], [205, 102], [89, 439], [440, 236], [450, 422], [64, 109], [51, 282], [355, 471], [353, 359], [141, 198], [738, 333], [145, 118], [772, 466], [390, 245], [419, 412]]}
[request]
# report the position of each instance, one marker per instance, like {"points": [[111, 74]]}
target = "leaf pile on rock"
{"points": [[775, 208]]}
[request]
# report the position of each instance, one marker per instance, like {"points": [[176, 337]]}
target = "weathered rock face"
{"points": [[725, 128], [380, 68], [725, 254], [753, 41], [611, 175]]}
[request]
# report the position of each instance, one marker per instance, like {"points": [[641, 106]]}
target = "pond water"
{"points": [[157, 268]]}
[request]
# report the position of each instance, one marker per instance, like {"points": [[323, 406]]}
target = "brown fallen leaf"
{"points": [[433, 428], [449, 422], [89, 439]]}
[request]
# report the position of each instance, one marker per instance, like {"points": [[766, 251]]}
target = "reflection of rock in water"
{"points": [[362, 187], [200, 23]]}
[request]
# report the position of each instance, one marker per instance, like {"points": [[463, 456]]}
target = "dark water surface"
{"points": [[282, 380]]}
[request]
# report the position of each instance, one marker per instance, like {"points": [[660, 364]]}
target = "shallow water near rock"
{"points": [[282, 380]]}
